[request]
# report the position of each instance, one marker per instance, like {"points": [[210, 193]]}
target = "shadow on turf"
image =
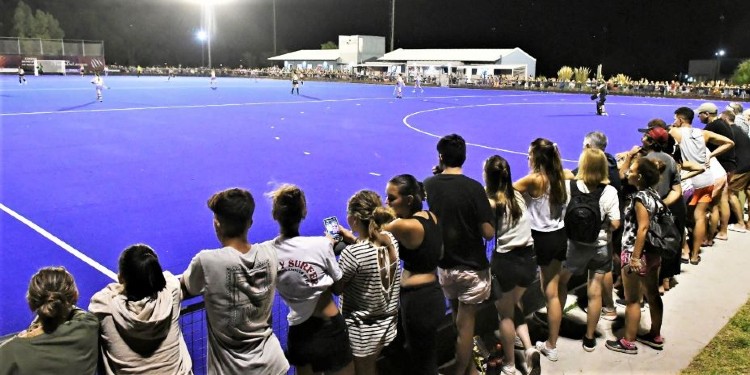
{"points": [[77, 106], [310, 97]]}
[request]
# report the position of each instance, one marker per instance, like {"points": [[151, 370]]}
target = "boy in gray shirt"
{"points": [[238, 283]]}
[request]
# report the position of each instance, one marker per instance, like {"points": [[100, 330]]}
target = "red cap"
{"points": [[659, 135]]}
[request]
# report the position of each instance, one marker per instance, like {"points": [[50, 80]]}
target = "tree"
{"points": [[741, 75], [39, 24], [329, 45]]}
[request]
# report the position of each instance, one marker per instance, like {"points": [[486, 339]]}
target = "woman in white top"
{"points": [[371, 281], [544, 191], [512, 263], [318, 340], [139, 317]]}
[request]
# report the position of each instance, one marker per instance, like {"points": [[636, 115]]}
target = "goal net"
{"points": [[50, 67]]}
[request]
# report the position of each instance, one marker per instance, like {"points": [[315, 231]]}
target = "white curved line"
{"points": [[406, 122]]}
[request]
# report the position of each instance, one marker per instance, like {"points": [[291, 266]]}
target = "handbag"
{"points": [[663, 238]]}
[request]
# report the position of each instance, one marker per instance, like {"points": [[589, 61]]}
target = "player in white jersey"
{"points": [[213, 79], [98, 83], [21, 76], [399, 87], [295, 83], [418, 83]]}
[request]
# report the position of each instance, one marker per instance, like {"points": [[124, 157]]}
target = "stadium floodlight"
{"points": [[201, 35], [719, 54]]}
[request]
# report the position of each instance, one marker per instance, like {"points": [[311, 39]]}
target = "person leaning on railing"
{"points": [[62, 339], [139, 317]]}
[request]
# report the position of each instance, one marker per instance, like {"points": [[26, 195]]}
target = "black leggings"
{"points": [[422, 309]]}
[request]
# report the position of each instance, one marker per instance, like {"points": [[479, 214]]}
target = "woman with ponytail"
{"points": [[512, 262], [139, 316], [318, 340], [62, 339], [420, 240], [544, 190], [371, 280]]}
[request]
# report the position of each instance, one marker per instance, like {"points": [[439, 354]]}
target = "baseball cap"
{"points": [[655, 123], [707, 107], [734, 107], [659, 135]]}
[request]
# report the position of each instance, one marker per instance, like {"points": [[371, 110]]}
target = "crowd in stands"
{"points": [[401, 259], [642, 87]]}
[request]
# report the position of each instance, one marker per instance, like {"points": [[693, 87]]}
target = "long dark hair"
{"points": [[545, 159], [500, 189], [141, 272]]}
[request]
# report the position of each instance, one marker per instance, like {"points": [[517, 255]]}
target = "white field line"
{"points": [[83, 257], [407, 117], [240, 105]]}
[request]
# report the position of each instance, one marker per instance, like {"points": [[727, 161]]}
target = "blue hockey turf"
{"points": [[82, 180]]}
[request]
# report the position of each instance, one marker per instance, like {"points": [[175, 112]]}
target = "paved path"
{"points": [[707, 296]]}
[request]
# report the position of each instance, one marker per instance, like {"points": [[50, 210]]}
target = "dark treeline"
{"points": [[651, 39]]}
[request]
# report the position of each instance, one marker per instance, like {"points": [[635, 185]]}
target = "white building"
{"points": [[468, 62], [368, 52], [353, 50]]}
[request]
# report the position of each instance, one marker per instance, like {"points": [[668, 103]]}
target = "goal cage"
{"points": [[50, 67]]}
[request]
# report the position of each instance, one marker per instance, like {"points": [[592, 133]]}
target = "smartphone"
{"points": [[332, 227]]}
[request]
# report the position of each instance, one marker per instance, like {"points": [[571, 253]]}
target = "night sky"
{"points": [[653, 39]]}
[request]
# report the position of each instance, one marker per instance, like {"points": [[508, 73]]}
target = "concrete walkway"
{"points": [[707, 296]]}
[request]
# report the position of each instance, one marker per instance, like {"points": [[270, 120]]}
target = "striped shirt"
{"points": [[370, 307]]}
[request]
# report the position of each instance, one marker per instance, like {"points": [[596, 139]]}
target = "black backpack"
{"points": [[663, 237], [583, 219]]}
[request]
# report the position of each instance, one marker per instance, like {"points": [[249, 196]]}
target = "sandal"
{"points": [[684, 260], [695, 262], [722, 238], [707, 243]]}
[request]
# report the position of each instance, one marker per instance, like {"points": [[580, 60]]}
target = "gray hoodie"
{"points": [[139, 337]]}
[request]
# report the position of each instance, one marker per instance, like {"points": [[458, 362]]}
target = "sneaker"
{"points": [[508, 370], [622, 346], [737, 228], [589, 344], [540, 317], [656, 342], [533, 364], [551, 354], [608, 314]]}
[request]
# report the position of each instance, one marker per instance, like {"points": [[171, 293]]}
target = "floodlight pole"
{"points": [[210, 22], [274, 27], [393, 21]]}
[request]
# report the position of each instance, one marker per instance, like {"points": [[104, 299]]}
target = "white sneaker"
{"points": [[533, 365], [508, 370], [736, 228], [551, 354]]}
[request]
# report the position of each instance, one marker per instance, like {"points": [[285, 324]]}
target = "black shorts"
{"points": [[549, 246], [514, 268], [295, 82], [323, 344]]}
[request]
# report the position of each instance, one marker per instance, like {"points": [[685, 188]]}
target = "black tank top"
{"points": [[424, 259]]}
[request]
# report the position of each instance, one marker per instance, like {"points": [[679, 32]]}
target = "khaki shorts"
{"points": [[468, 286], [739, 182]]}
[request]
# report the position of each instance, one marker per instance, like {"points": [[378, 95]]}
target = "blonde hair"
{"points": [[367, 207], [52, 295], [593, 168]]}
